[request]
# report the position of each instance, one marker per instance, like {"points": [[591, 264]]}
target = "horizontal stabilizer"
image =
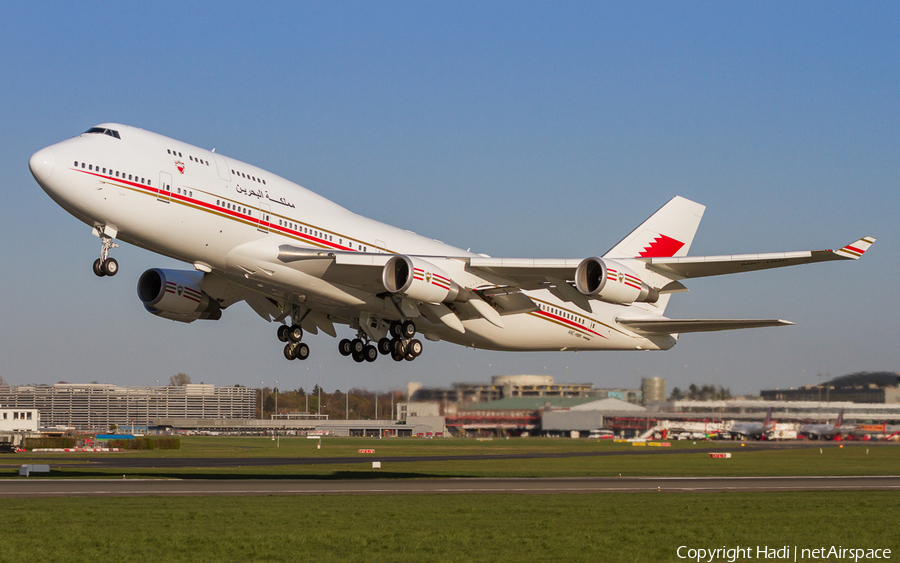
{"points": [[681, 326]]}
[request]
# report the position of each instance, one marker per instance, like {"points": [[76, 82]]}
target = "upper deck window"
{"points": [[102, 131]]}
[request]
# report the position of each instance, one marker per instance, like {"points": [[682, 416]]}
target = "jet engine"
{"points": [[176, 295], [612, 282], [420, 280]]}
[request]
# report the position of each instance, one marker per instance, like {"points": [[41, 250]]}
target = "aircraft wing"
{"points": [[703, 266], [681, 326], [526, 273]]}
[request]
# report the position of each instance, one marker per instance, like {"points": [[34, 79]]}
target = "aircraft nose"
{"points": [[42, 163]]}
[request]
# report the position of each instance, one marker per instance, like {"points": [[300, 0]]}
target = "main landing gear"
{"points": [[292, 335], [106, 265], [293, 349], [401, 346]]}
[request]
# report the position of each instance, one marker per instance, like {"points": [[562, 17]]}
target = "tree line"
{"points": [[704, 393]]}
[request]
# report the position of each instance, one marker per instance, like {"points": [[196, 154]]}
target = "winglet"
{"points": [[855, 249]]}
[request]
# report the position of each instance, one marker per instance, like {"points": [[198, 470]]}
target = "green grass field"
{"points": [[490, 528], [464, 528]]}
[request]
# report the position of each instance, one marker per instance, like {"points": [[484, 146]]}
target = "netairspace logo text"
{"points": [[783, 553]]}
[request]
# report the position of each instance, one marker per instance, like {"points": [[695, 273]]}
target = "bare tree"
{"points": [[179, 379], [2, 382]]}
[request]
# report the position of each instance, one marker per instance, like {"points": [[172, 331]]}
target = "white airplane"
{"points": [[824, 431], [755, 430], [291, 254]]}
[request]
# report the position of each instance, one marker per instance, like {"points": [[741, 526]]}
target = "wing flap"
{"points": [[682, 326]]}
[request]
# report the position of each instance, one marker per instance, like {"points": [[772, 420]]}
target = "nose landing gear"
{"points": [[105, 265]]}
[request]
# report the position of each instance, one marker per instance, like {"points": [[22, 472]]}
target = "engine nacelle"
{"points": [[176, 295], [420, 280], [612, 282]]}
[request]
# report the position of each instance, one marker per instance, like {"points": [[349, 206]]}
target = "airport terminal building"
{"points": [[98, 406]]}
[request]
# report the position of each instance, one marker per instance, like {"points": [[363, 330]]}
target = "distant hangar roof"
{"points": [[609, 404]]}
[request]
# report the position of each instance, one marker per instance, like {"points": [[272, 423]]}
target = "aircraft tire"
{"points": [[110, 267], [370, 353], [358, 358], [357, 346], [98, 268], [409, 357], [282, 333], [414, 347], [385, 346], [295, 333], [302, 351], [345, 347], [396, 357], [408, 329], [395, 329], [289, 352]]}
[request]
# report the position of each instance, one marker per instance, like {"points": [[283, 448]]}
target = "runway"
{"points": [[44, 488]]}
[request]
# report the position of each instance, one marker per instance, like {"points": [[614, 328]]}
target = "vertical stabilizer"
{"points": [[668, 232]]}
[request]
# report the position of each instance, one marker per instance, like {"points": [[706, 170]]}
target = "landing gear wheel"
{"points": [[110, 267], [394, 329], [295, 333], [370, 353], [414, 348], [357, 346], [358, 357], [282, 333], [345, 347], [408, 329], [409, 357], [290, 351], [302, 351], [385, 346], [397, 347], [98, 268], [396, 357]]}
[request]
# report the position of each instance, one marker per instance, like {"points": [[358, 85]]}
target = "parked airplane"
{"points": [[291, 254], [823, 431], [754, 430]]}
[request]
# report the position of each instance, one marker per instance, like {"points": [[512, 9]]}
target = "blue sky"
{"points": [[532, 129]]}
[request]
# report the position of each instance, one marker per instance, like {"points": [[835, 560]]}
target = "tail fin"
{"points": [[768, 421], [840, 420], [668, 232]]}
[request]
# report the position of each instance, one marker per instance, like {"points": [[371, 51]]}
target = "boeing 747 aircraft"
{"points": [[308, 264]]}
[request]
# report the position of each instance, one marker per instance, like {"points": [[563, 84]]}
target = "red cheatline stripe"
{"points": [[568, 322], [440, 285], [854, 249], [219, 209]]}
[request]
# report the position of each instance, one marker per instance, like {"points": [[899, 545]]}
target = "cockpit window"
{"points": [[102, 131]]}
